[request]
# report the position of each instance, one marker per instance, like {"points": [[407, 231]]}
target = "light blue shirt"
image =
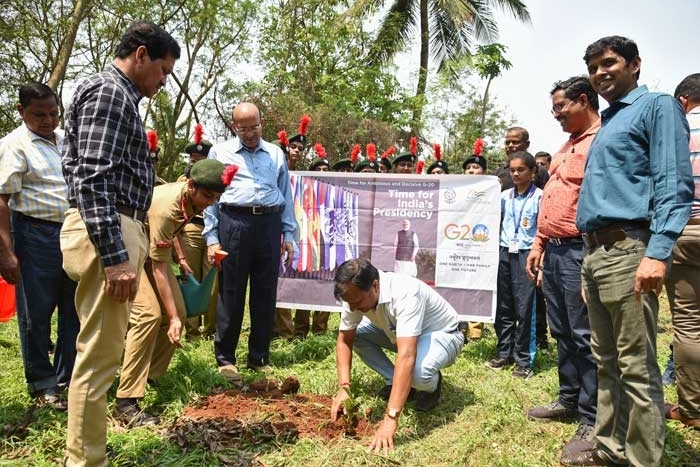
{"points": [[519, 211], [638, 169], [262, 180]]}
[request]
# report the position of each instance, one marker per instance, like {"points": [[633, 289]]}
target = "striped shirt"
{"points": [[105, 158], [30, 172], [694, 123]]}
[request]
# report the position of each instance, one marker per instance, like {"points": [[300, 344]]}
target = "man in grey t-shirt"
{"points": [[386, 310]]}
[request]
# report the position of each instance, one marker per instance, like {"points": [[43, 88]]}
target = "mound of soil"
{"points": [[265, 411]]}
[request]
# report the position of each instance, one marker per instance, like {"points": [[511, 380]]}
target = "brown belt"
{"points": [[612, 233], [694, 221], [128, 211]]}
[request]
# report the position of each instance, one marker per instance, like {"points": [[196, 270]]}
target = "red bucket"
{"points": [[7, 300]]}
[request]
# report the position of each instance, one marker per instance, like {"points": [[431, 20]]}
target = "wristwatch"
{"points": [[393, 413]]}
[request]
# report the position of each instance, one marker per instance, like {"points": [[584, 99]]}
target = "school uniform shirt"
{"points": [[166, 216], [519, 217], [406, 307]]}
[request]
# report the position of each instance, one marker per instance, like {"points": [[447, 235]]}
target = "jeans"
{"points": [[630, 419], [44, 287], [436, 350], [569, 325]]}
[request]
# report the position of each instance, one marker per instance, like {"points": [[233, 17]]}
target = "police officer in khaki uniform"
{"points": [[155, 322]]}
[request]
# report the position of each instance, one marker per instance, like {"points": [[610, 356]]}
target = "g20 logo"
{"points": [[457, 232], [480, 233]]}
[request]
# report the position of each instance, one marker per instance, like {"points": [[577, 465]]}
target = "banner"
{"points": [[442, 229]]}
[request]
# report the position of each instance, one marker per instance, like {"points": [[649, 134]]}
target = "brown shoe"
{"points": [[673, 412], [553, 411], [582, 442], [592, 458]]}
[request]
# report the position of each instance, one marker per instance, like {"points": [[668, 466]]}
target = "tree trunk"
{"points": [[80, 10], [423, 71], [484, 105]]}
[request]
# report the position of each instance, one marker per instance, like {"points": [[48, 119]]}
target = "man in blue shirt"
{"points": [[248, 222], [634, 202]]}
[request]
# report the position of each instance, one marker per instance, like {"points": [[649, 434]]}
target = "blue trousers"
{"points": [[436, 350], [44, 288], [253, 243], [515, 300], [569, 325]]}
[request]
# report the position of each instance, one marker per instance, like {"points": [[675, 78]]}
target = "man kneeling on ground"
{"points": [[386, 310]]}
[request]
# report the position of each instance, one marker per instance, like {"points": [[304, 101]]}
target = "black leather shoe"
{"points": [[429, 400], [128, 413], [385, 392]]}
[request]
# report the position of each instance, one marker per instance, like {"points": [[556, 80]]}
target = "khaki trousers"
{"points": [[103, 324], [630, 423], [148, 350], [195, 249], [285, 327], [475, 330], [683, 289]]}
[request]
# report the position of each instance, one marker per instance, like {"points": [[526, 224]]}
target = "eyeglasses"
{"points": [[247, 129], [557, 108]]}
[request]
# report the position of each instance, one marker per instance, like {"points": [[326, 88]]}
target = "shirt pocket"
{"points": [[267, 172], [572, 168]]}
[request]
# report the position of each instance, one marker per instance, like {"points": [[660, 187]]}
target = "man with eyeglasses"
{"points": [[558, 247], [249, 220]]}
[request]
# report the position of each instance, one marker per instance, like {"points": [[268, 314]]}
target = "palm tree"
{"points": [[446, 29]]}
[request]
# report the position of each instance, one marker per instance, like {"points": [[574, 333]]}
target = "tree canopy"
{"points": [[289, 56]]}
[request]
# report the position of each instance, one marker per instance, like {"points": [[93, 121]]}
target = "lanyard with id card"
{"points": [[514, 246]]}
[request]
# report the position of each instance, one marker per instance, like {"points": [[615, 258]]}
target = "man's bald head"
{"points": [[245, 111], [247, 123]]}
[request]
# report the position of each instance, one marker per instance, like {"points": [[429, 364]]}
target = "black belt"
{"points": [[250, 210], [614, 233], [197, 220], [566, 241], [128, 211]]}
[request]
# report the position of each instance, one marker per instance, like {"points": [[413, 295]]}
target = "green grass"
{"points": [[480, 421]]}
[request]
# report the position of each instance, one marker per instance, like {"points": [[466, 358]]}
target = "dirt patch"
{"points": [[265, 411]]}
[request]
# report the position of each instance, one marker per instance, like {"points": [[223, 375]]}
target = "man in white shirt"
{"points": [[386, 310]]}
